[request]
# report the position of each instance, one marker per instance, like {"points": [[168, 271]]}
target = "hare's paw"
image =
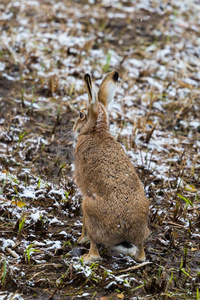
{"points": [[140, 258], [83, 239], [91, 257], [140, 255], [93, 254]]}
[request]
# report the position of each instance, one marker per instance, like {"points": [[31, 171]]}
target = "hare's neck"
{"points": [[102, 122]]}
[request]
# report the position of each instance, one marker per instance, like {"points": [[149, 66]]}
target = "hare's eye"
{"points": [[81, 115]]}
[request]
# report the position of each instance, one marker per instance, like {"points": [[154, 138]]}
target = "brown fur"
{"points": [[114, 205]]}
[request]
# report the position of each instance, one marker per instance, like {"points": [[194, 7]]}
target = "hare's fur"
{"points": [[115, 209]]}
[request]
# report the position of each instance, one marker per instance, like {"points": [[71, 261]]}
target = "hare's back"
{"points": [[108, 169]]}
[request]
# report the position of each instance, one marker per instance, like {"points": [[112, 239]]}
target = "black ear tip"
{"points": [[116, 76], [87, 76]]}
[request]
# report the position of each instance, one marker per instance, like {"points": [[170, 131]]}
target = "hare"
{"points": [[115, 209]]}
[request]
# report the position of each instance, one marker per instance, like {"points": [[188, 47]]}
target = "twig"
{"points": [[175, 224], [69, 270], [135, 267], [13, 253], [10, 49], [13, 296], [35, 275], [3, 199], [149, 133], [56, 289]]}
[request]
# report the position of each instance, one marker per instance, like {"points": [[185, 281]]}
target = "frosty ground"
{"points": [[46, 47]]}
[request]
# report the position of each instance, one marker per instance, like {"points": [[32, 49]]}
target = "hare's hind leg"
{"points": [[84, 236], [93, 254], [89, 211], [140, 255]]}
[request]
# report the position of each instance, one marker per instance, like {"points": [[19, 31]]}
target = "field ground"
{"points": [[46, 47]]}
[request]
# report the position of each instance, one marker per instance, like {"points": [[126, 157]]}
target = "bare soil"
{"points": [[40, 212]]}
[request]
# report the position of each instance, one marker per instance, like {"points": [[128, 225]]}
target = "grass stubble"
{"points": [[155, 120]]}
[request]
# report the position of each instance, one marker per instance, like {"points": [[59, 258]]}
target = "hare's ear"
{"points": [[92, 95], [108, 87]]}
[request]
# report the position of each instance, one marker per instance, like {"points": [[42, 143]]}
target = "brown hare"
{"points": [[115, 209]]}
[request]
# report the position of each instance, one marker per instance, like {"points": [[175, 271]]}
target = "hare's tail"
{"points": [[126, 248]]}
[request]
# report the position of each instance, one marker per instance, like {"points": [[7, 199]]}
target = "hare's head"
{"points": [[95, 115]]}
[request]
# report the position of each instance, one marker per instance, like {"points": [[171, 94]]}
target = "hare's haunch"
{"points": [[115, 209]]}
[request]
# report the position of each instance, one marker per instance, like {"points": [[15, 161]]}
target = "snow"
{"points": [[54, 245], [27, 193], [177, 64], [11, 78], [10, 296], [32, 3], [55, 221], [64, 233], [2, 66], [36, 216], [195, 124], [7, 243]]}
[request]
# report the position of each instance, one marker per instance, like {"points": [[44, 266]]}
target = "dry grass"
{"points": [[45, 50]]}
